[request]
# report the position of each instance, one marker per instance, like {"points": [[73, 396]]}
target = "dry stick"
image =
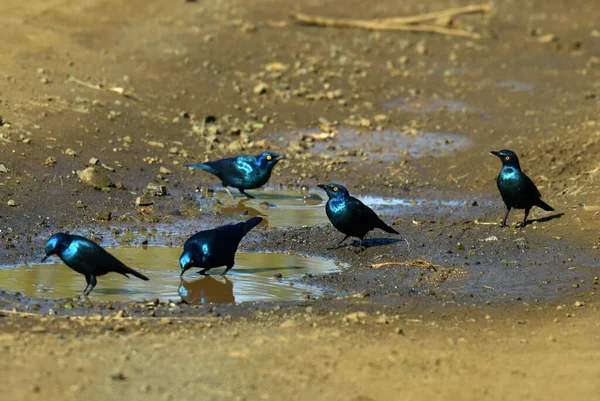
{"points": [[452, 12], [416, 263], [400, 23]]}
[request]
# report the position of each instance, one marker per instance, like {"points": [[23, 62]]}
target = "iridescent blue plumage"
{"points": [[215, 248], [516, 188], [242, 172], [87, 258], [349, 215]]}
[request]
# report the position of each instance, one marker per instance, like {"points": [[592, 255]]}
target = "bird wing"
{"points": [[94, 256], [529, 187], [363, 213], [234, 168]]}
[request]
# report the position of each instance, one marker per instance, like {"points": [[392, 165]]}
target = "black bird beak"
{"points": [[44, 258], [495, 153], [323, 187], [280, 157]]}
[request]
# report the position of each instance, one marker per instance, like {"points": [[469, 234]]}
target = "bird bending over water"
{"points": [[516, 188], [87, 258], [215, 248], [242, 172], [349, 215]]}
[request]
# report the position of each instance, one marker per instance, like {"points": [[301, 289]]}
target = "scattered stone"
{"points": [[278, 275], [79, 205], [105, 215], [143, 201], [95, 178], [460, 246], [118, 375], [288, 324], [155, 189], [579, 304], [490, 239], [164, 170], [38, 329], [421, 47], [93, 161], [260, 88], [356, 317], [156, 144], [50, 161], [70, 152], [267, 205], [11, 203], [4, 169], [548, 38]]}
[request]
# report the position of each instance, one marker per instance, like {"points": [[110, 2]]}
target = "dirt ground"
{"points": [[470, 311]]}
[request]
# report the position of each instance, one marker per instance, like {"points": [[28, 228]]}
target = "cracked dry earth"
{"points": [[135, 90]]}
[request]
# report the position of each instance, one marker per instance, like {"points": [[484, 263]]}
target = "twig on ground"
{"points": [[438, 22], [415, 263]]}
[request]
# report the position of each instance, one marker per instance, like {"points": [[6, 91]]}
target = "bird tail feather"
{"points": [[250, 224], [544, 205], [386, 228], [128, 270], [204, 167]]}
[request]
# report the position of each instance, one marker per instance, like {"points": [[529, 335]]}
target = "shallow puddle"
{"points": [[388, 144], [283, 208], [287, 208], [516, 86], [253, 278]]}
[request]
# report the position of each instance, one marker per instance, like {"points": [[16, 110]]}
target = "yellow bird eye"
{"points": [[269, 157], [335, 189], [507, 158]]}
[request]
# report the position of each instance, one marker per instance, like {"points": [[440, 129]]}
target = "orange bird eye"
{"points": [[507, 158], [269, 157], [335, 189]]}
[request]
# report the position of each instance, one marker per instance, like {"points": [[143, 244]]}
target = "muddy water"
{"points": [[388, 144], [288, 208], [251, 279]]}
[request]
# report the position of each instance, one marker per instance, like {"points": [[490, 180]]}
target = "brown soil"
{"points": [[131, 83]]}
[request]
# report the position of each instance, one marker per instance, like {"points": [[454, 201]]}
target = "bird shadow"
{"points": [[545, 218], [369, 243]]}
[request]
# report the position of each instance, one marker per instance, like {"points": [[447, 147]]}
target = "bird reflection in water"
{"points": [[207, 289]]}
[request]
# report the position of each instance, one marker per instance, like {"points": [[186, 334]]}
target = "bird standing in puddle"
{"points": [[349, 215], [516, 188], [242, 172], [216, 247], [87, 258]]}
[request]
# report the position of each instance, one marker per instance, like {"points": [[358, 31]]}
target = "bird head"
{"points": [[508, 157], [334, 190], [56, 244], [188, 259], [269, 159]]}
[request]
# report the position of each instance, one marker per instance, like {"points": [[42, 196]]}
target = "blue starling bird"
{"points": [[242, 172], [214, 248], [349, 215], [517, 190], [87, 258]]}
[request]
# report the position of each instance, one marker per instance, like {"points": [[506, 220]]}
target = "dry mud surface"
{"points": [[469, 311]]}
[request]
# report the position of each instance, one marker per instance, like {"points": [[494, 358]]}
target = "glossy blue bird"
{"points": [[242, 172], [516, 188], [349, 215], [87, 258], [214, 248]]}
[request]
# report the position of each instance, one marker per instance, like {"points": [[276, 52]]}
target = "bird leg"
{"points": [[505, 217], [229, 192], [87, 280], [226, 270], [92, 283], [203, 272], [339, 243], [525, 218], [247, 194]]}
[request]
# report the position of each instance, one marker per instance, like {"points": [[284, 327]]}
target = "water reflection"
{"points": [[251, 279], [207, 289]]}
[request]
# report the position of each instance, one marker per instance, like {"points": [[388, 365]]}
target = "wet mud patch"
{"points": [[385, 145], [433, 104], [255, 277]]}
